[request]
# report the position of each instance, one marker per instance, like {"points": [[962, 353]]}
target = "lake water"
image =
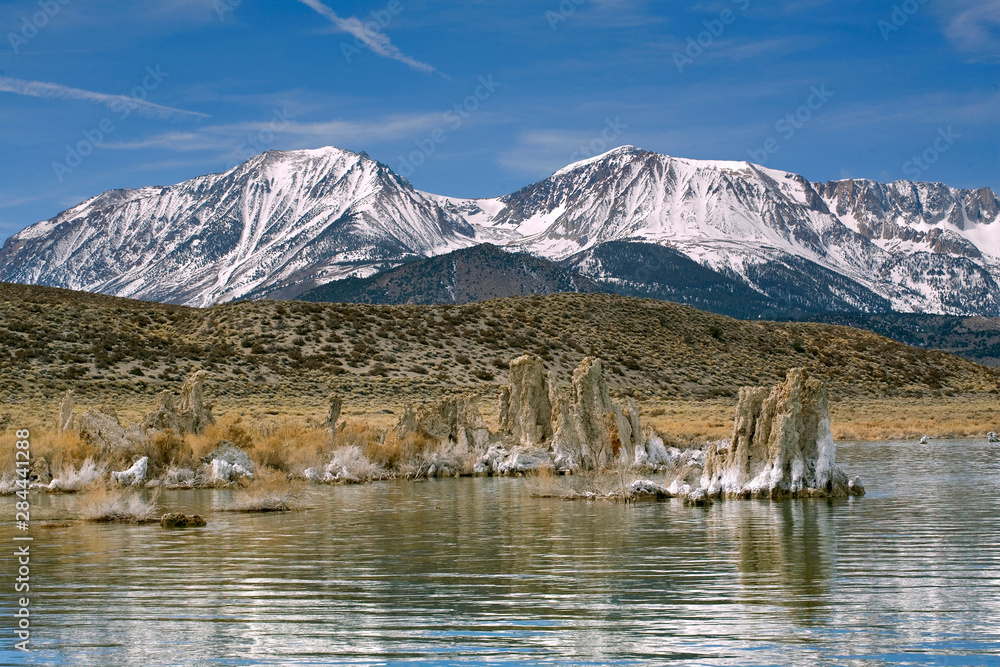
{"points": [[474, 571]]}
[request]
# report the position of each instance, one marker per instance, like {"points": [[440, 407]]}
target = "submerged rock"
{"points": [[698, 498], [644, 489], [178, 520], [134, 475], [781, 446]]}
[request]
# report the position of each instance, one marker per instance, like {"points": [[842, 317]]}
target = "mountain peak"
{"points": [[287, 221], [627, 150]]}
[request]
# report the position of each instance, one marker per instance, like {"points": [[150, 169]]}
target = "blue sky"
{"points": [[480, 98]]}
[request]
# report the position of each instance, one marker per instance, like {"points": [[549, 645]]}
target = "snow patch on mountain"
{"points": [[282, 223]]}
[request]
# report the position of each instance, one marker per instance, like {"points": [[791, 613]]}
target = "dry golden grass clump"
{"points": [[394, 451], [104, 504], [284, 444], [270, 491], [61, 449], [614, 483]]}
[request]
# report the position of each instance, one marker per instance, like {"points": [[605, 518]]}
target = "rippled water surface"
{"points": [[475, 571]]}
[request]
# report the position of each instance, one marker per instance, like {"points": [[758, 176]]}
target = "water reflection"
{"points": [[783, 552], [474, 571]]}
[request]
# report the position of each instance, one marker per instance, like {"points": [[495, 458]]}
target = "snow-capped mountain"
{"points": [[294, 219], [283, 223], [841, 245]]}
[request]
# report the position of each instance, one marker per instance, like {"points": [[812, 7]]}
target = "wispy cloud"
{"points": [[114, 102], [294, 135], [379, 43], [975, 28], [737, 50], [539, 153]]}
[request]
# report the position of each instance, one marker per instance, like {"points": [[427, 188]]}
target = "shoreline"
{"points": [[687, 421]]}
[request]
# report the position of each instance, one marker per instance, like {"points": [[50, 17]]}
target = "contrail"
{"points": [[376, 41], [115, 102]]}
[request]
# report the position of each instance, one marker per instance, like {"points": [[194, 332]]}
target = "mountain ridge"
{"points": [[283, 223]]}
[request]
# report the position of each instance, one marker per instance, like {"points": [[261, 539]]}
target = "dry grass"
{"points": [[228, 427], [70, 479], [104, 504], [352, 466], [684, 422], [946, 417], [61, 450], [393, 451], [608, 484], [867, 419], [270, 491], [288, 445], [169, 449]]}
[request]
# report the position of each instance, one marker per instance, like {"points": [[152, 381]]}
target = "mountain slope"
{"points": [[279, 219], [974, 338], [774, 231], [634, 268], [269, 353], [284, 223], [463, 276]]}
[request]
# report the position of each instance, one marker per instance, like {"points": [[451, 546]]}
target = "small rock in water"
{"points": [[178, 520], [644, 488], [697, 498]]}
